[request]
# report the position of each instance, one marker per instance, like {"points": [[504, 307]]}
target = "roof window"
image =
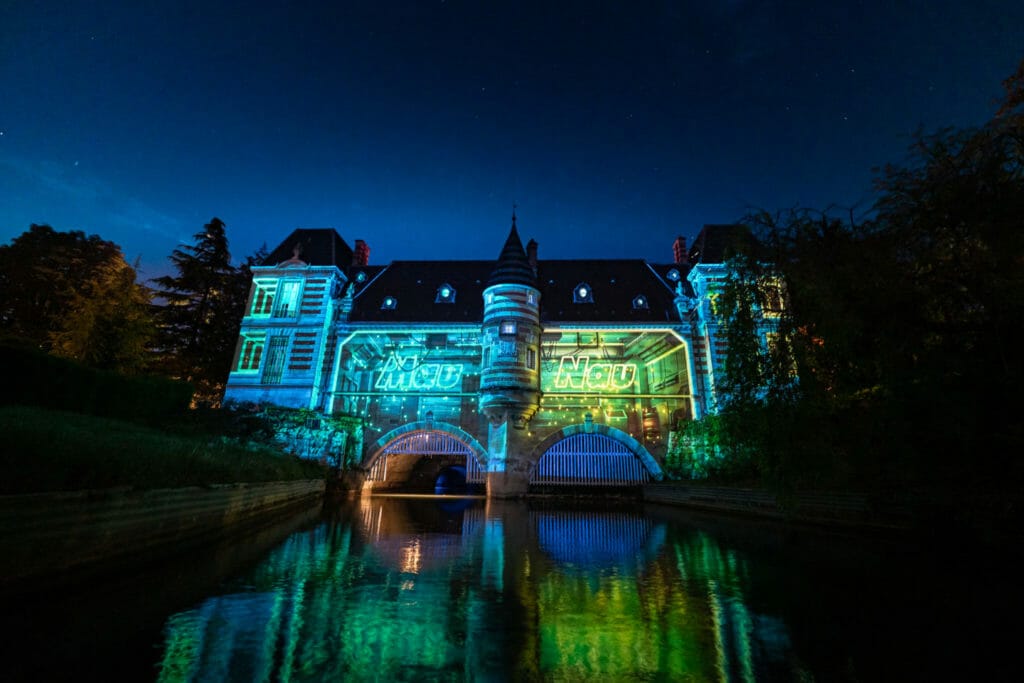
{"points": [[390, 303], [673, 275], [640, 302], [445, 294], [582, 294]]}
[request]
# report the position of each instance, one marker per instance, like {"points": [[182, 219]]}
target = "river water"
{"points": [[427, 589]]}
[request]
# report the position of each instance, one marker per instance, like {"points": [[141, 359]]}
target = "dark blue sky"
{"points": [[416, 125]]}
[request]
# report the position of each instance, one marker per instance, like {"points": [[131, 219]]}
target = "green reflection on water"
{"points": [[395, 589]]}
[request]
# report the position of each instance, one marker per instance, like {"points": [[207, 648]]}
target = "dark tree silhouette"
{"points": [[198, 322]]}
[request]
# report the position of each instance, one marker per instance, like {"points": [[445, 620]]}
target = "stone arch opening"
{"points": [[592, 455], [412, 458]]}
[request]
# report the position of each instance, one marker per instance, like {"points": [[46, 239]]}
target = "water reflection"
{"points": [[413, 589]]}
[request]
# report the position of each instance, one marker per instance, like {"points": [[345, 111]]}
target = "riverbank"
{"points": [[985, 516], [51, 450], [49, 539]]}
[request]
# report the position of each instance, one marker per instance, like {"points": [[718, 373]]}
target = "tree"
{"points": [[198, 323], [75, 296], [40, 271], [902, 327], [108, 324]]}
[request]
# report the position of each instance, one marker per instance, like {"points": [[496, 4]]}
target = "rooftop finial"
{"points": [[514, 214]]}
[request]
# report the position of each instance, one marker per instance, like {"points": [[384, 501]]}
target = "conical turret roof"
{"points": [[513, 265]]}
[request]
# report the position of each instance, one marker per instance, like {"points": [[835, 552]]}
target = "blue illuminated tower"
{"points": [[510, 376]]}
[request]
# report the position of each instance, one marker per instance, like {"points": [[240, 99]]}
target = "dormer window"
{"points": [[583, 294], [640, 302], [390, 303], [445, 294], [673, 275]]}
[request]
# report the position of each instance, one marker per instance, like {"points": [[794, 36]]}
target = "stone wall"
{"points": [[50, 537]]}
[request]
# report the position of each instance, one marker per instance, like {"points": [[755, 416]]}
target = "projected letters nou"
{"points": [[581, 373]]}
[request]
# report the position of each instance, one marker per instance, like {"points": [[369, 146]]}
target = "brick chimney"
{"points": [[678, 251], [361, 255], [531, 254]]}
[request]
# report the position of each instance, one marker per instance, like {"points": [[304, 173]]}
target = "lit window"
{"points": [[361, 276], [531, 358], [263, 298], [250, 352], [508, 328], [713, 303], [583, 294], [286, 304], [531, 298], [673, 275], [445, 294], [640, 302], [774, 302], [390, 303]]}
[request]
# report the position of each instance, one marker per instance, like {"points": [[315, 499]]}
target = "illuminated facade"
{"points": [[514, 374]]}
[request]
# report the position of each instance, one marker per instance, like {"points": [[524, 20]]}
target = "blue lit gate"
{"points": [[427, 443], [589, 460]]}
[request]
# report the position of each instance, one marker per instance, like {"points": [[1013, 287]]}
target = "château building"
{"points": [[513, 375]]}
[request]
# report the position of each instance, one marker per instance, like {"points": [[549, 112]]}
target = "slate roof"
{"points": [[414, 285], [318, 247], [718, 243], [513, 266], [614, 283]]}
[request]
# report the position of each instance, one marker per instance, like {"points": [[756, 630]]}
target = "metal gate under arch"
{"points": [[428, 443], [589, 460]]}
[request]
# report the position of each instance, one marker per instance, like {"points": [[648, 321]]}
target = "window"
{"points": [[361, 276], [531, 358], [273, 370], [773, 299], [286, 304], [445, 294], [713, 303], [390, 303], [263, 298], [583, 294], [673, 275], [250, 352], [508, 328], [531, 298], [640, 302]]}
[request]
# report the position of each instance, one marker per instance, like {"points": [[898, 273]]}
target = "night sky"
{"points": [[416, 125]]}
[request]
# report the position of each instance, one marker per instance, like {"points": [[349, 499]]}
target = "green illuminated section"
{"points": [[636, 381], [395, 377]]}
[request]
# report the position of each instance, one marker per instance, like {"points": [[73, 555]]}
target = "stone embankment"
{"points": [[49, 537], [832, 508]]}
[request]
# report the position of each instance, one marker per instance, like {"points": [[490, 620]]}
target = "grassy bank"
{"points": [[47, 450]]}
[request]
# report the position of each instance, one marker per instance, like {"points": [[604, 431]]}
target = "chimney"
{"points": [[679, 251], [531, 254], [361, 255]]}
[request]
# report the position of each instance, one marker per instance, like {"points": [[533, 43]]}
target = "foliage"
{"points": [[76, 296], [36, 378], [202, 311], [58, 451], [901, 328], [336, 440]]}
